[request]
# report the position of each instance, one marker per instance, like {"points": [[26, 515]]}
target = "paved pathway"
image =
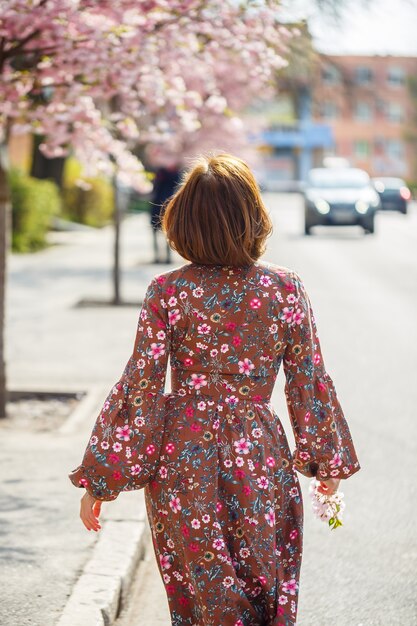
{"points": [[52, 344]]}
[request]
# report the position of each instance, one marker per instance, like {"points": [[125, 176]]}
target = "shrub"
{"points": [[86, 200], [34, 203]]}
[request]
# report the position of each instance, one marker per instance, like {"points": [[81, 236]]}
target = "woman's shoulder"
{"points": [[281, 272]]}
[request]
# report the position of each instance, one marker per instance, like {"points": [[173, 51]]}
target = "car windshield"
{"points": [[335, 179], [389, 183]]}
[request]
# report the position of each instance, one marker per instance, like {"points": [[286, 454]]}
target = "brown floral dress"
{"points": [[225, 505]]}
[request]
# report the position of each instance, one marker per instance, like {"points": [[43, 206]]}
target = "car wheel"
{"points": [[404, 209], [307, 229], [369, 227]]}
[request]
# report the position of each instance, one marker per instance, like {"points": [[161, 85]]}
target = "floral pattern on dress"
{"points": [[225, 504]]}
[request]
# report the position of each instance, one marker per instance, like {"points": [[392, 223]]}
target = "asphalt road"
{"points": [[364, 294]]}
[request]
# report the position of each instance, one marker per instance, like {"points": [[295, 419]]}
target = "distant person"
{"points": [[224, 501], [165, 183]]}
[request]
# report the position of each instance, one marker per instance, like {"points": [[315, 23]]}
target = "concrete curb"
{"points": [[103, 587], [86, 410]]}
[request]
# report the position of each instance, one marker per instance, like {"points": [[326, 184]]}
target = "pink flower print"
{"points": [[218, 544], [231, 326], [83, 482], [189, 411], [140, 363], [117, 475], [273, 329], [219, 507], [270, 517], [165, 561], [113, 458], [247, 490], [239, 623], [172, 301], [206, 518], [227, 582], [270, 461], [265, 281], [198, 380], [255, 303], [214, 353], [294, 492], [307, 416], [204, 329], [317, 358], [232, 401], [298, 316], [282, 600], [150, 449], [169, 448], [224, 348], [93, 440], [290, 587], [157, 350], [188, 362], [117, 446], [263, 482], [170, 290], [291, 299], [293, 534], [173, 317], [135, 470], [196, 427], [161, 335], [286, 314], [123, 432], [183, 295], [175, 504], [195, 523], [262, 580], [163, 472], [242, 446], [304, 455], [321, 386], [245, 366], [239, 461], [198, 292], [240, 474], [236, 341]]}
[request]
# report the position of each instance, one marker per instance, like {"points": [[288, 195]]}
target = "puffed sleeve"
{"points": [[324, 446], [124, 445]]}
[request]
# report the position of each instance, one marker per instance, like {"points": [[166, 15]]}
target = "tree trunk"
{"points": [[45, 168], [4, 244]]}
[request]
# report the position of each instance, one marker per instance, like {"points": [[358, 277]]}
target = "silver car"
{"points": [[340, 197]]}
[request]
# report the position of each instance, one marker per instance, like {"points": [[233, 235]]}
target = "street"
{"points": [[363, 291]]}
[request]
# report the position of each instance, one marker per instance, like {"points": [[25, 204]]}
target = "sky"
{"points": [[365, 26]]}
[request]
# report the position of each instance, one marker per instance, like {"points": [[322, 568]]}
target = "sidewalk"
{"points": [[53, 345]]}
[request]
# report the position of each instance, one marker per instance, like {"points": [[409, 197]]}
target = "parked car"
{"points": [[394, 194], [339, 197]]}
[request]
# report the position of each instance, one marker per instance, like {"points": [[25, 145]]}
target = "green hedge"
{"points": [[34, 203], [89, 201]]}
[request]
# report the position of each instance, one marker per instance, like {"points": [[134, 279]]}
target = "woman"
{"points": [[225, 506]]}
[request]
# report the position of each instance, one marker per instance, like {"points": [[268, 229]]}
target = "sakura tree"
{"points": [[99, 76]]}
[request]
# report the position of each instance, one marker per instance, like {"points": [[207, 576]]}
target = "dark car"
{"points": [[340, 197], [394, 194]]}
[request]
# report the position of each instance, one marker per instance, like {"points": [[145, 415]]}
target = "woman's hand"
{"points": [[329, 487], [90, 512]]}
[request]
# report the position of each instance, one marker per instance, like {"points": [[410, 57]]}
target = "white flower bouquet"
{"points": [[327, 507]]}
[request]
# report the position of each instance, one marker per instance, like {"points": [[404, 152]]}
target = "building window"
{"points": [[362, 149], [330, 75], [363, 75], [329, 110], [395, 148], [363, 111], [395, 112], [396, 77]]}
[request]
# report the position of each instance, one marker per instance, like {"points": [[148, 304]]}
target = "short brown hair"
{"points": [[217, 216]]}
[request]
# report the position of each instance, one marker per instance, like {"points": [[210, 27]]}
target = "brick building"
{"points": [[366, 100]]}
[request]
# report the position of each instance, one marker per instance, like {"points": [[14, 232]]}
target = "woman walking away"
{"points": [[225, 505]]}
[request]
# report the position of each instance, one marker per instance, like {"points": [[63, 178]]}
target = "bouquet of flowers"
{"points": [[327, 507]]}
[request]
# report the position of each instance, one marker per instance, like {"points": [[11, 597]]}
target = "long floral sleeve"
{"points": [[124, 446], [324, 446]]}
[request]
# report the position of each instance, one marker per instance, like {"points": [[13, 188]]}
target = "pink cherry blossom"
{"points": [[157, 350], [242, 446]]}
